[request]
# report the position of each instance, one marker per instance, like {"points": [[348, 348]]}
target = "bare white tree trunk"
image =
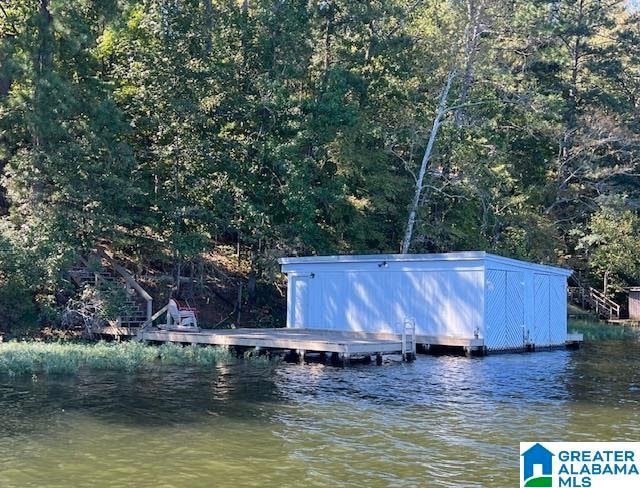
{"points": [[473, 35], [413, 211]]}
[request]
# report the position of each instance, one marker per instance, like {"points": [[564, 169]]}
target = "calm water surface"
{"points": [[439, 421]]}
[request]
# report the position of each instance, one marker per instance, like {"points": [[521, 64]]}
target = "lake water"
{"points": [[439, 421]]}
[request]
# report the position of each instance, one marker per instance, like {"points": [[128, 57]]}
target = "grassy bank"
{"points": [[594, 330], [24, 358]]}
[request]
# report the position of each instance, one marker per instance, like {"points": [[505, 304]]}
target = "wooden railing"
{"points": [[595, 300], [155, 316], [149, 322], [603, 305], [579, 296], [130, 282], [98, 278]]}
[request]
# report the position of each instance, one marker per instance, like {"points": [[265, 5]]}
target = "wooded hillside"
{"points": [[171, 129]]}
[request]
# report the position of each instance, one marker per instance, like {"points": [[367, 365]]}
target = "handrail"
{"points": [[150, 320], [605, 302], [97, 275], [597, 300], [130, 280]]}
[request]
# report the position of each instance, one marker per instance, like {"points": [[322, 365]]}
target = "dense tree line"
{"points": [[164, 127]]}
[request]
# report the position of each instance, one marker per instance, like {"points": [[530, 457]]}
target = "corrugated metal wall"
{"points": [[524, 307], [299, 288], [496, 314], [550, 310], [505, 306], [557, 310], [442, 302], [515, 329], [540, 335]]}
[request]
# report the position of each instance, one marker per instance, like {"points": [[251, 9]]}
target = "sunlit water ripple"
{"points": [[439, 421]]}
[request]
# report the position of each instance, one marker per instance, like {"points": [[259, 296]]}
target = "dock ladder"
{"points": [[409, 340]]}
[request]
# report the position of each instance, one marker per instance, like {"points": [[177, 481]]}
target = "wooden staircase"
{"points": [[596, 301], [99, 270]]}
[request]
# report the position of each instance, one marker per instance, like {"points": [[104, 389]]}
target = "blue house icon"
{"points": [[537, 454]]}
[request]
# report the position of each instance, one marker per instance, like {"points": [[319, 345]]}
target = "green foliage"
{"points": [[16, 301], [611, 245], [298, 127]]}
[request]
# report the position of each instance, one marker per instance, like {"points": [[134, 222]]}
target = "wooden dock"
{"points": [[624, 322], [340, 345]]}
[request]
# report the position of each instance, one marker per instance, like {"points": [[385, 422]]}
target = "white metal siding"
{"points": [[515, 329], [505, 318], [468, 304], [550, 313], [494, 308], [442, 303], [541, 336], [557, 310], [300, 309], [331, 301], [501, 300]]}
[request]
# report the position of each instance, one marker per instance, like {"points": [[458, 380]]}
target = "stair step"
{"points": [[134, 311], [124, 314]]}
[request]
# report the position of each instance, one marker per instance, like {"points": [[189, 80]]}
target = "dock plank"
{"points": [[279, 339], [311, 340]]}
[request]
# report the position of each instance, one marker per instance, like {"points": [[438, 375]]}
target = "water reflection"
{"points": [[439, 421]]}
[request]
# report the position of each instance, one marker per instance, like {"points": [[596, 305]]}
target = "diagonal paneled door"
{"points": [[495, 299], [557, 310], [541, 311], [514, 324]]}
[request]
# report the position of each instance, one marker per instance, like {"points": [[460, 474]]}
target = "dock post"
{"points": [[301, 353], [291, 356], [378, 359]]}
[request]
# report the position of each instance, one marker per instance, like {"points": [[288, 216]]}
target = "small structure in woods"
{"points": [[475, 299], [634, 303]]}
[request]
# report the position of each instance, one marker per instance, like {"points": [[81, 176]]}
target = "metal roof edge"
{"points": [[367, 258], [528, 264], [451, 256]]}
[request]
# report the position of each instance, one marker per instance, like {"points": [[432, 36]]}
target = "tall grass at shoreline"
{"points": [[594, 330], [34, 357], [29, 358]]}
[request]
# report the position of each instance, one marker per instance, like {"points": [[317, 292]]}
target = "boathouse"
{"points": [[487, 300], [634, 303]]}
